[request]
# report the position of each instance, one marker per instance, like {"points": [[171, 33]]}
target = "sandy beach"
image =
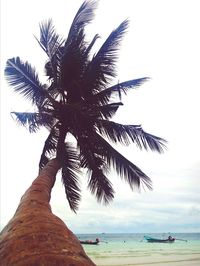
{"points": [[187, 260]]}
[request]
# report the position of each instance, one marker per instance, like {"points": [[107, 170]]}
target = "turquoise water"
{"points": [[132, 249]]}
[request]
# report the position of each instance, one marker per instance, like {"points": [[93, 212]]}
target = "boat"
{"points": [[90, 242], [157, 240]]}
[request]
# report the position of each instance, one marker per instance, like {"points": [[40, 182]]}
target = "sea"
{"points": [[132, 249]]}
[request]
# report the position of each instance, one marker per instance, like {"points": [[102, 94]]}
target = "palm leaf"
{"points": [[49, 39], [50, 147], [72, 66], [75, 53], [107, 111], [102, 67], [34, 120], [98, 183], [70, 173], [84, 16], [101, 187], [92, 44], [96, 152], [88, 156], [126, 134], [124, 168], [92, 112], [24, 79], [51, 43], [104, 96]]}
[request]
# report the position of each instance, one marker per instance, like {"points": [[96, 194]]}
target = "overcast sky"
{"points": [[162, 43]]}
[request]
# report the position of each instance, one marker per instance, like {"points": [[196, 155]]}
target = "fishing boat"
{"points": [[157, 240], [90, 242]]}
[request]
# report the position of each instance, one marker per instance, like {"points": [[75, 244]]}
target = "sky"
{"points": [[162, 43]]}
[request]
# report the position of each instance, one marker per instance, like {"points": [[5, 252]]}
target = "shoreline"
{"points": [[192, 260]]}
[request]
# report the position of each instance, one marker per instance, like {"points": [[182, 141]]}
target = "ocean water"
{"points": [[132, 249]]}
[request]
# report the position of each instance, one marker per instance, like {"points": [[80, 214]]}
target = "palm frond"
{"points": [[107, 111], [70, 176], [73, 64], [51, 43], [33, 121], [98, 183], [88, 156], [24, 79], [89, 113], [75, 54], [92, 44], [124, 168], [126, 134], [101, 187], [104, 96], [50, 147], [84, 16], [102, 67], [49, 39]]}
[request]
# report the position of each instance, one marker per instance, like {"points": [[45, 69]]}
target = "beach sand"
{"points": [[186, 260]]}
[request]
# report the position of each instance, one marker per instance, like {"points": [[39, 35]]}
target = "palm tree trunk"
{"points": [[35, 236]]}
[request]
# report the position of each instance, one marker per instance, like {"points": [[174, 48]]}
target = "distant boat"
{"points": [[157, 240], [90, 242]]}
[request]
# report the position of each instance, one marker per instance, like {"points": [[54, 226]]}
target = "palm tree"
{"points": [[77, 100]]}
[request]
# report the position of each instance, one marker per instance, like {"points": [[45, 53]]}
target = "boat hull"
{"points": [[156, 240], [160, 241], [89, 243]]}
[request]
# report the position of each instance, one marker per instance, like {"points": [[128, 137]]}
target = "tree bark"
{"points": [[35, 236]]}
